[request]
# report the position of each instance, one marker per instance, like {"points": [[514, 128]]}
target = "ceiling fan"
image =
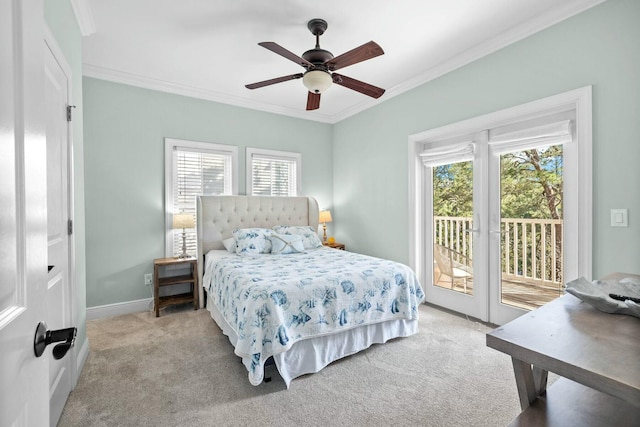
{"points": [[320, 65]]}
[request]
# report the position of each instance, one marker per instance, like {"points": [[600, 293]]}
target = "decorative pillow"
{"points": [[230, 244], [252, 241], [285, 244], [310, 239]]}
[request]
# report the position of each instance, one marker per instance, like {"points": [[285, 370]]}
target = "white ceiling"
{"points": [[208, 48]]}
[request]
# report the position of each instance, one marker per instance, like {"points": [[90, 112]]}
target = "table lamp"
{"points": [[183, 220], [325, 217]]}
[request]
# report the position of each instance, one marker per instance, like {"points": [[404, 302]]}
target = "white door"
{"points": [[454, 231], [59, 308], [24, 388], [532, 182], [503, 207]]}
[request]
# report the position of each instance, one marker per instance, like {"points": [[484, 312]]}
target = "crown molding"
{"points": [[84, 16], [466, 57], [194, 92]]}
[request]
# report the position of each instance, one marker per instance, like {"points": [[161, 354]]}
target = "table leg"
{"points": [[156, 290], [531, 381], [196, 291], [540, 379]]}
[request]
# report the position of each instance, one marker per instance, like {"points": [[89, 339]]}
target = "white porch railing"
{"points": [[531, 248]]}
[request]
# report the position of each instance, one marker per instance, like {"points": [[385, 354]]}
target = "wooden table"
{"points": [[335, 245], [159, 281], [596, 353]]}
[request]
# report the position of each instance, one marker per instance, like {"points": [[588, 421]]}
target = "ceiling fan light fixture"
{"points": [[317, 81]]}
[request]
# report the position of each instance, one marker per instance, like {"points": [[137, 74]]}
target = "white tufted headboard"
{"points": [[218, 216]]}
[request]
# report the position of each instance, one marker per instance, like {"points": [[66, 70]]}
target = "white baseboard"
{"points": [[119, 309], [81, 357]]}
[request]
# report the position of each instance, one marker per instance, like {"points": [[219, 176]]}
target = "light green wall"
{"points": [[599, 47], [61, 20], [358, 167], [125, 129]]}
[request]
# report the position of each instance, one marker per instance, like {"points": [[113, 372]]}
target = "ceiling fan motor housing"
{"points": [[318, 57]]}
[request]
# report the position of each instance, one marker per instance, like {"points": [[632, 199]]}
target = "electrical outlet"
{"points": [[148, 279]]}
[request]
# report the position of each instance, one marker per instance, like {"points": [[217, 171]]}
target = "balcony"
{"points": [[531, 258]]}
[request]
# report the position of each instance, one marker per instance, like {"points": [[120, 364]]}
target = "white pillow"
{"points": [[252, 241], [310, 239], [285, 244], [230, 244]]}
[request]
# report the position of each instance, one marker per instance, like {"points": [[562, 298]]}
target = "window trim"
{"points": [[285, 155], [170, 144]]}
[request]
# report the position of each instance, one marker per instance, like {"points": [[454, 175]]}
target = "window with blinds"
{"points": [[196, 169], [273, 173]]}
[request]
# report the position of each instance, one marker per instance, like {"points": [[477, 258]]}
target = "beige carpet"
{"points": [[179, 370]]}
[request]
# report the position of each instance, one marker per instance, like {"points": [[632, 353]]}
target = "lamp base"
{"points": [[324, 236], [184, 253]]}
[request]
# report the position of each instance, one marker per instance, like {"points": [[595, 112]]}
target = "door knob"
{"points": [[44, 337]]}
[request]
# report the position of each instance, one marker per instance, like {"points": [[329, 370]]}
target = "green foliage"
{"points": [[453, 189], [531, 183]]}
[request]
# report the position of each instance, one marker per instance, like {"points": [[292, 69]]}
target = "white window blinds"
{"points": [[273, 173], [454, 153], [199, 173], [523, 136], [195, 169]]}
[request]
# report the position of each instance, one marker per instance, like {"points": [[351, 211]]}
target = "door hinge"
{"points": [[69, 107], [69, 227]]}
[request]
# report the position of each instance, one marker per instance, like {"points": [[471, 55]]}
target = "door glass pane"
{"points": [[453, 220], [531, 196]]}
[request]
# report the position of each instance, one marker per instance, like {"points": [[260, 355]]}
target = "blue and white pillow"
{"points": [[282, 244], [252, 241], [310, 239]]}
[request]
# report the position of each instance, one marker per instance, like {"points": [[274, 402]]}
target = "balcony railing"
{"points": [[531, 248]]}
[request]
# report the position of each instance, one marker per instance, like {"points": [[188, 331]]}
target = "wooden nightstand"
{"points": [[335, 245], [158, 281]]}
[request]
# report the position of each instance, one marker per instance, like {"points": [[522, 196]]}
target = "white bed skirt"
{"points": [[312, 354]]}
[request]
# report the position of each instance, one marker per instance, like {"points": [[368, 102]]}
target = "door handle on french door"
{"points": [[476, 220], [44, 337]]}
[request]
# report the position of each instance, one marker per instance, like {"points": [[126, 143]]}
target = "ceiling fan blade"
{"points": [[273, 81], [276, 48], [357, 85], [359, 54], [313, 101]]}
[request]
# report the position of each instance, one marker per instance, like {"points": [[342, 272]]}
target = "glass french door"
{"points": [[526, 230], [496, 206], [456, 267]]}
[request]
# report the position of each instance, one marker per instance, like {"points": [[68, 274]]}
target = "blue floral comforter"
{"points": [[272, 301]]}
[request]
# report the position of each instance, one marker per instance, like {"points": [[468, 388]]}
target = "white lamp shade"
{"points": [[324, 217], [317, 81], [183, 220]]}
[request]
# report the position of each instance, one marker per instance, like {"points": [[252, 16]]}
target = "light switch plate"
{"points": [[619, 218]]}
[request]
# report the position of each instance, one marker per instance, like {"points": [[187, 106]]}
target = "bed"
{"points": [[303, 308]]}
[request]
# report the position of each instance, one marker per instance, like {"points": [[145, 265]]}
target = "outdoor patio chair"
{"points": [[452, 264]]}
